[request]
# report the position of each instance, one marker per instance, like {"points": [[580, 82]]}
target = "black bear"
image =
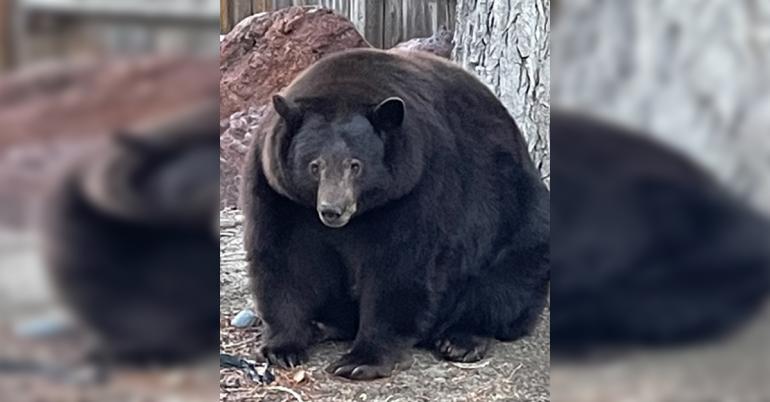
{"points": [[648, 248], [131, 245], [390, 199]]}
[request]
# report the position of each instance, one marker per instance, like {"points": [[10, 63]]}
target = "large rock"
{"points": [[440, 43], [83, 99], [264, 52], [52, 115], [237, 132]]}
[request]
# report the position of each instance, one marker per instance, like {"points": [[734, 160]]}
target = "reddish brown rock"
{"points": [[264, 52], [88, 98], [52, 115], [440, 43], [237, 132]]}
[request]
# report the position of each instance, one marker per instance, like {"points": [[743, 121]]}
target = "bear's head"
{"points": [[335, 159]]}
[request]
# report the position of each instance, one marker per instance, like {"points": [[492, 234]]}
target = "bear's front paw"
{"points": [[284, 355], [362, 367]]}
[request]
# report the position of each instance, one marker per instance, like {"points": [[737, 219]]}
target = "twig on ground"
{"points": [[515, 370], [239, 343], [288, 390], [470, 366]]}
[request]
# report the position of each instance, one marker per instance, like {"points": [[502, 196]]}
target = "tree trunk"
{"points": [[507, 44], [692, 73]]}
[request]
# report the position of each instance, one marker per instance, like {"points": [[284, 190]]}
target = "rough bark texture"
{"points": [[507, 44], [264, 52], [692, 73]]}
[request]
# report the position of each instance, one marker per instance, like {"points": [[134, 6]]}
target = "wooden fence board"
{"points": [[383, 23]]}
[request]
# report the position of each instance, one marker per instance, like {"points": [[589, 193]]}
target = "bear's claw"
{"points": [[360, 368], [462, 348], [285, 356]]}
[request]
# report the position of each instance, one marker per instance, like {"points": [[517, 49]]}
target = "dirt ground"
{"points": [[517, 371], [25, 297], [735, 369]]}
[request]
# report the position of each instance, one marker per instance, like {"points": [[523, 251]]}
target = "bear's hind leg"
{"points": [[505, 303], [462, 347]]}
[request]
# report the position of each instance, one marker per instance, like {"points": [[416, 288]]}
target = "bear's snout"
{"points": [[330, 212], [335, 215]]}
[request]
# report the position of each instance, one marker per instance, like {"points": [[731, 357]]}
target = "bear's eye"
{"points": [[355, 167], [315, 167]]}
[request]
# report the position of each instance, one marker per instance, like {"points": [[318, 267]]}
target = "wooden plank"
{"points": [[374, 22], [442, 13], [225, 19], [432, 16], [343, 7], [417, 21], [240, 10], [260, 6], [358, 15], [278, 4], [392, 24]]}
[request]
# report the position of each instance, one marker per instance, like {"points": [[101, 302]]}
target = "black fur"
{"points": [[648, 248], [449, 241], [131, 245]]}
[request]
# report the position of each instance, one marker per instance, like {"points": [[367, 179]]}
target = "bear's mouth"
{"points": [[337, 220]]}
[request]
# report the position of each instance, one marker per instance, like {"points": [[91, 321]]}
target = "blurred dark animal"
{"points": [[648, 248], [131, 242], [440, 43]]}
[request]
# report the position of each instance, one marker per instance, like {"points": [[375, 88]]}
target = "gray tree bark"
{"points": [[694, 73], [507, 44]]}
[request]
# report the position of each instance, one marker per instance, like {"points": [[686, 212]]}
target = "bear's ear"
{"points": [[388, 115], [287, 109]]}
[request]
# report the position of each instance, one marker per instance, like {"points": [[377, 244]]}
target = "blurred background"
{"points": [[693, 77], [691, 73], [72, 73], [35, 30]]}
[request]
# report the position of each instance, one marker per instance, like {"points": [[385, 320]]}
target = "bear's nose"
{"points": [[329, 212]]}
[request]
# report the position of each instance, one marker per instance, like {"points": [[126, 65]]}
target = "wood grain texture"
{"points": [[384, 23]]}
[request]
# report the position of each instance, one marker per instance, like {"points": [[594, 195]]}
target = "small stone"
{"points": [[44, 327], [244, 319]]}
